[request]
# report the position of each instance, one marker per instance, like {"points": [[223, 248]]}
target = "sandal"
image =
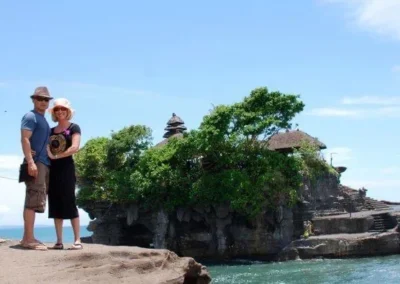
{"points": [[76, 247], [58, 246], [34, 246]]}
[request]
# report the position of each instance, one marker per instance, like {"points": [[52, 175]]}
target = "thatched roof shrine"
{"points": [[286, 142]]}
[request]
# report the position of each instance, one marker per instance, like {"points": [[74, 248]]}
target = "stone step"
{"points": [[382, 222]]}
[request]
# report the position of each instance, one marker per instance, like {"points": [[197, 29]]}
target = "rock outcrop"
{"points": [[217, 232], [343, 245], [98, 264], [211, 232]]}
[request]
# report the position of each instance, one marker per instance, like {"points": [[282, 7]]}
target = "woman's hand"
{"points": [[50, 154]]}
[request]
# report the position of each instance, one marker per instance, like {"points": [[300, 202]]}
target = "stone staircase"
{"points": [[382, 222], [373, 204]]}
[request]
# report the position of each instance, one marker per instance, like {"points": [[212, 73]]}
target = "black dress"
{"points": [[61, 193]]}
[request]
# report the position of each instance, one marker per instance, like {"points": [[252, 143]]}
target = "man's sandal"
{"points": [[34, 246]]}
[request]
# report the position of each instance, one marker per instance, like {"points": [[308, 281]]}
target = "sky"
{"points": [[137, 62]]}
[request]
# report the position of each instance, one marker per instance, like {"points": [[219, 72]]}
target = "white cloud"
{"points": [[4, 209], [390, 108], [371, 100], [390, 171], [388, 112], [340, 155], [396, 68], [335, 112], [377, 16], [10, 162]]}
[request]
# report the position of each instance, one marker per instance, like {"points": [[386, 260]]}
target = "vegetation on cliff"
{"points": [[224, 160]]}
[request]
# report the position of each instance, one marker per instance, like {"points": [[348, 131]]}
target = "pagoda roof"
{"points": [[171, 127], [175, 120]]}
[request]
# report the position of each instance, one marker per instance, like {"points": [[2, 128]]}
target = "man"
{"points": [[35, 132]]}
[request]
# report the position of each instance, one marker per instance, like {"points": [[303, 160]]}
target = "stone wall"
{"points": [[200, 232], [321, 194], [345, 225], [316, 198]]}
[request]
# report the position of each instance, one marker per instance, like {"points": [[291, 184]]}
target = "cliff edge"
{"points": [[98, 264]]}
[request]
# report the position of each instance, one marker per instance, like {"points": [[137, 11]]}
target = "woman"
{"points": [[64, 142]]}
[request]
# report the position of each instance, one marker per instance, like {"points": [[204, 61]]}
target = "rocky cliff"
{"points": [[98, 264], [202, 232], [210, 232]]}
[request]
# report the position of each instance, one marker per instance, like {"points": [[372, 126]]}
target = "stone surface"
{"points": [[343, 225], [98, 264], [202, 233], [343, 245]]}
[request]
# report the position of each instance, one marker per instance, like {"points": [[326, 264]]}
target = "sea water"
{"points": [[382, 270], [45, 234]]}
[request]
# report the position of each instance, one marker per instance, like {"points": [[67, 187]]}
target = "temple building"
{"points": [[175, 128], [286, 142]]}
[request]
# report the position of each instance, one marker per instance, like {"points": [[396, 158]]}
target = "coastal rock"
{"points": [[202, 233], [100, 264], [132, 214], [343, 245]]}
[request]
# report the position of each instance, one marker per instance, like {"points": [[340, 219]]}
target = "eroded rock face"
{"points": [[344, 245], [321, 194], [205, 233]]}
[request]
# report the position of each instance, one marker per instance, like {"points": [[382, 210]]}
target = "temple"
{"points": [[175, 128], [286, 142]]}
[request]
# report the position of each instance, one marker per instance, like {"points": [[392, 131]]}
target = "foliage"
{"points": [[225, 160], [104, 165], [312, 162]]}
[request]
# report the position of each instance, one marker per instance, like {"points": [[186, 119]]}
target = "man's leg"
{"points": [[29, 221], [35, 202]]}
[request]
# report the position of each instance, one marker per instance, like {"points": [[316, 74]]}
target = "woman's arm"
{"points": [[76, 141]]}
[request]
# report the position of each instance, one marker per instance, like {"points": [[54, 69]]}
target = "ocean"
{"points": [[371, 270], [45, 234], [384, 270]]}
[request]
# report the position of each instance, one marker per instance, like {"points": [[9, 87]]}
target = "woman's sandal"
{"points": [[58, 246], [76, 246]]}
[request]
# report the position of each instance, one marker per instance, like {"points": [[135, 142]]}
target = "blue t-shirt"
{"points": [[40, 128]]}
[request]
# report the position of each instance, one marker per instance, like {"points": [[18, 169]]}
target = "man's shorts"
{"points": [[36, 190]]}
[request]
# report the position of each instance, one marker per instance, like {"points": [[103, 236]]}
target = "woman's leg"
{"points": [[58, 223], [76, 227]]}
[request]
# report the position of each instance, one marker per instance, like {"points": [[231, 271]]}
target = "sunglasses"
{"points": [[40, 99], [60, 109]]}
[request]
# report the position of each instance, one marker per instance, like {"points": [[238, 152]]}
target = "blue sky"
{"points": [[136, 62]]}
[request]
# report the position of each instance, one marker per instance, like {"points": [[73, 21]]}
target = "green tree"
{"points": [[225, 160]]}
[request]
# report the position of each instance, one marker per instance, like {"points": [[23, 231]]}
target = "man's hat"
{"points": [[42, 92]]}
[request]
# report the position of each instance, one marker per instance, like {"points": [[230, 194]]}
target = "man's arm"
{"points": [[26, 148], [26, 145], [28, 125]]}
